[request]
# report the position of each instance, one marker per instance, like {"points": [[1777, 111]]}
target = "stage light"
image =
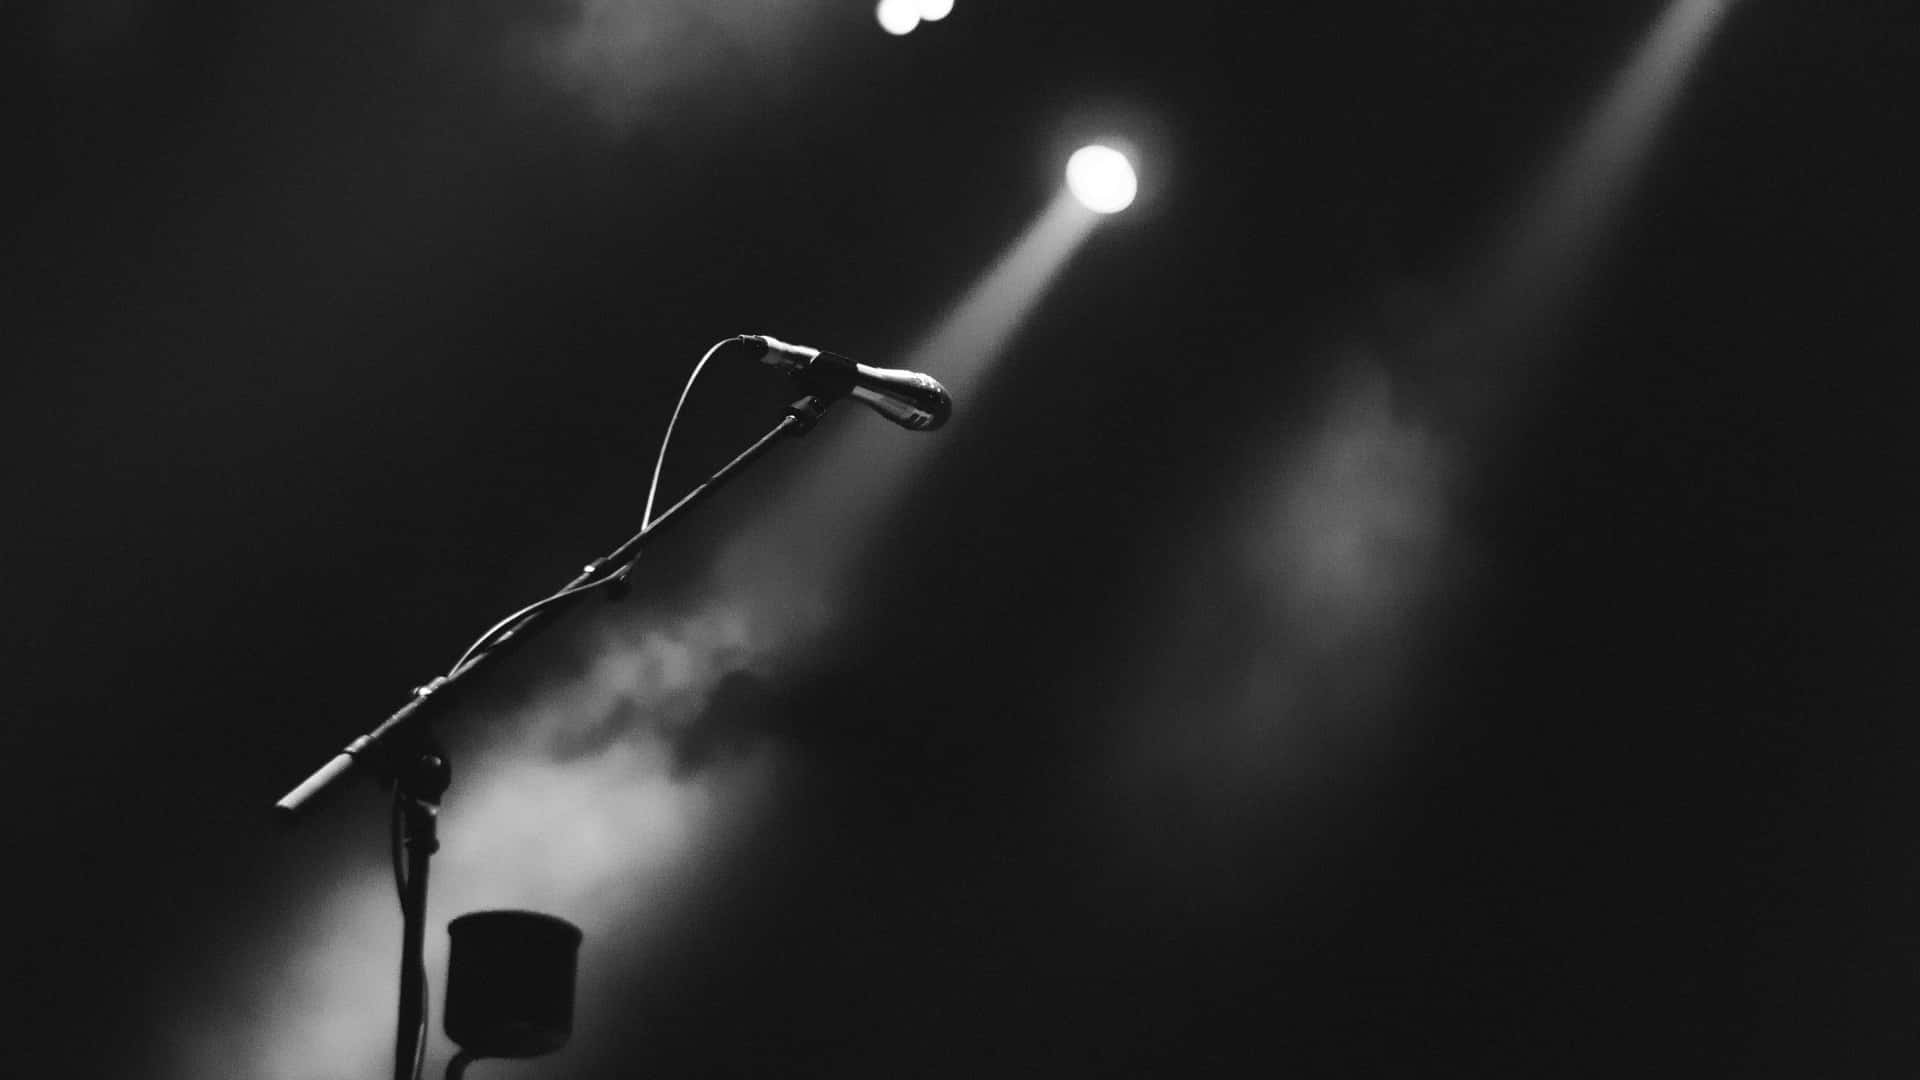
{"points": [[1102, 179], [898, 16], [935, 10]]}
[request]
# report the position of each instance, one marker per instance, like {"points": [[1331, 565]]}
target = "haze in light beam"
{"points": [[1558, 236], [1291, 624]]}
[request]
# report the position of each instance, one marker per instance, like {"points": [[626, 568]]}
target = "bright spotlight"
{"points": [[935, 10], [898, 16], [1102, 179]]}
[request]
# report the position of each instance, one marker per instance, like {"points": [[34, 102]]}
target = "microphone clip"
{"points": [[807, 411]]}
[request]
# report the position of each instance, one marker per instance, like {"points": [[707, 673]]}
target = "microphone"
{"points": [[912, 400]]}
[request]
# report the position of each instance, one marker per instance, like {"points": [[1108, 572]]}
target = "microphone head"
{"points": [[912, 400]]}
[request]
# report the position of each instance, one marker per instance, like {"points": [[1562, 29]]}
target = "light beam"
{"points": [[1557, 236]]}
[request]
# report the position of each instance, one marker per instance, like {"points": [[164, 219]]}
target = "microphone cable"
{"points": [[497, 630]]}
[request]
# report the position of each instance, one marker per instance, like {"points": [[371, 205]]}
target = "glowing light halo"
{"points": [[1102, 179], [935, 10], [898, 17]]}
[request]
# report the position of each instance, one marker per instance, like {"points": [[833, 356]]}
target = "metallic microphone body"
{"points": [[907, 398]]}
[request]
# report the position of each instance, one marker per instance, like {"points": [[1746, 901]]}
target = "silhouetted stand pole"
{"points": [[419, 783], [402, 751]]}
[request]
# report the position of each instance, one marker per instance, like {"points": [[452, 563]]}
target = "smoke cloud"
{"points": [[1355, 514], [656, 66], [600, 800]]}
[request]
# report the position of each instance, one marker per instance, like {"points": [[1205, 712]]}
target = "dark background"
{"points": [[333, 334]]}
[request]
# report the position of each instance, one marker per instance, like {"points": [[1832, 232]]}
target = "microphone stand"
{"points": [[402, 749]]}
